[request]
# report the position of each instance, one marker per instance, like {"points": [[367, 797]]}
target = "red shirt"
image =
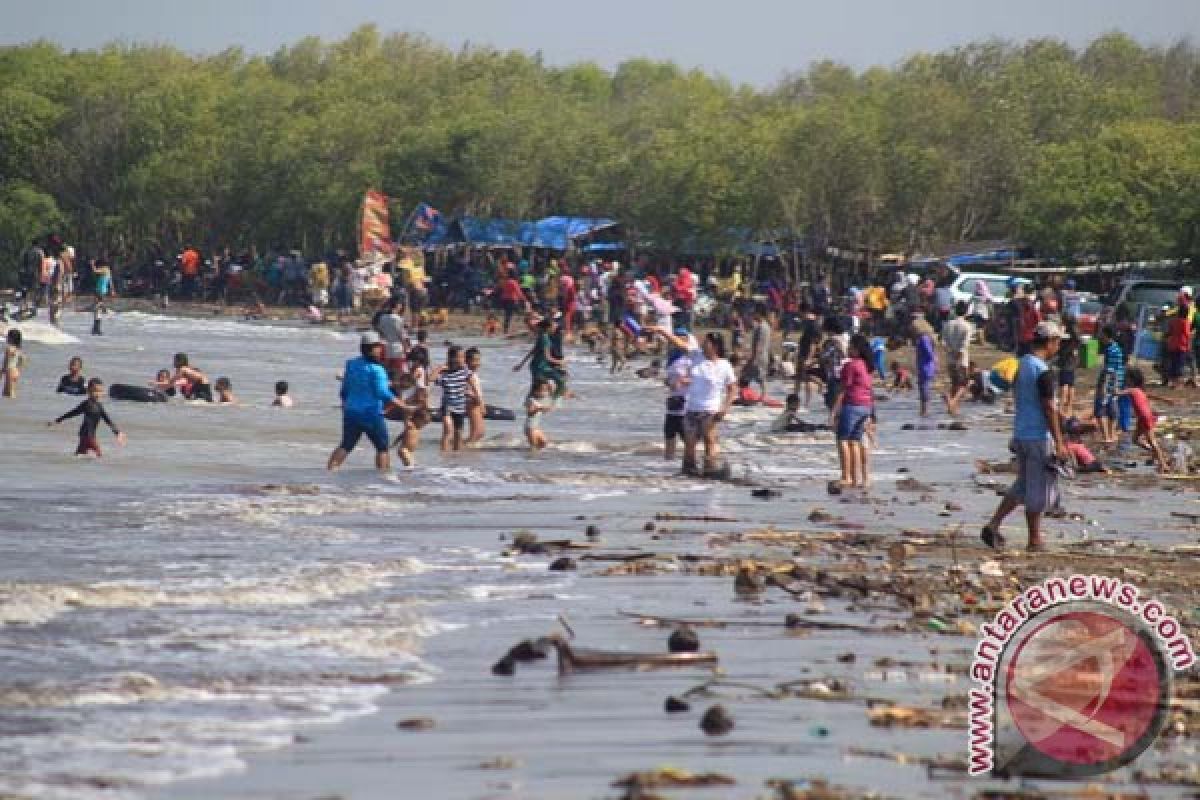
{"points": [[856, 383], [510, 291], [1141, 409], [1082, 455], [1029, 322], [1179, 334], [189, 262]]}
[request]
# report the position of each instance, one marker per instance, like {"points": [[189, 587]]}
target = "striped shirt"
{"points": [[454, 390], [1114, 368]]}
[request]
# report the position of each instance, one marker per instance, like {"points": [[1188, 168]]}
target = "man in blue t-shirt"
{"points": [[365, 395], [1037, 440]]}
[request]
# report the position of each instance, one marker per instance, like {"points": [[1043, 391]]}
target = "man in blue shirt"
{"points": [[1037, 440], [365, 394]]}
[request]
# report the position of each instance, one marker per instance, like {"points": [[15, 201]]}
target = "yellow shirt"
{"points": [[1006, 368], [730, 285], [318, 276], [875, 298]]}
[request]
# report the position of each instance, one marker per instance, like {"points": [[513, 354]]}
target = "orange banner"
{"points": [[375, 236]]}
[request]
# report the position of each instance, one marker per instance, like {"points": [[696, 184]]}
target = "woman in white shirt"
{"points": [[711, 388]]}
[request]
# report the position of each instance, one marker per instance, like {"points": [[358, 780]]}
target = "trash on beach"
{"points": [[815, 789], [897, 716], [673, 778], [683, 640], [579, 659], [717, 721], [673, 705], [664, 516], [417, 724]]}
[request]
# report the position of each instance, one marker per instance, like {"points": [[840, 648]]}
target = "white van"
{"points": [[964, 285]]}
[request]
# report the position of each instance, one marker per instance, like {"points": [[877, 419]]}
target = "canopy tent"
{"points": [[604, 247], [560, 233]]}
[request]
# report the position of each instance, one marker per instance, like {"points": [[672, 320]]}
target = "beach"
{"points": [[207, 613]]}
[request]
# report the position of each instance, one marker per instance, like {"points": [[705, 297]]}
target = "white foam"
{"points": [[37, 603], [42, 333]]}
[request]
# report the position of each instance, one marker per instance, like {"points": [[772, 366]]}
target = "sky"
{"points": [[747, 41]]}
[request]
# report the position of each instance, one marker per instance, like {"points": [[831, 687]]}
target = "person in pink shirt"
{"points": [[1143, 434], [1085, 462], [568, 300], [852, 413]]}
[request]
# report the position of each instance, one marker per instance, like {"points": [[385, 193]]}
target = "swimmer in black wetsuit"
{"points": [[93, 413], [73, 382]]}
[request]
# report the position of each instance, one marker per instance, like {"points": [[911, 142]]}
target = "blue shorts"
{"points": [[355, 425], [1125, 413], [1105, 406], [852, 423]]}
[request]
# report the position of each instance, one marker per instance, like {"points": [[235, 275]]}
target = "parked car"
{"points": [[964, 285], [1139, 291], [1089, 317]]}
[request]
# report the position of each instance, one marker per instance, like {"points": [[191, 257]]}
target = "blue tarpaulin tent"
{"points": [[557, 233], [552, 233]]}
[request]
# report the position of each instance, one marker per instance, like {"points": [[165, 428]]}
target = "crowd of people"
{"points": [[836, 345]]}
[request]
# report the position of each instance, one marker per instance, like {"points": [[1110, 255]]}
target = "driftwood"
{"points": [[577, 659], [668, 517], [793, 621]]}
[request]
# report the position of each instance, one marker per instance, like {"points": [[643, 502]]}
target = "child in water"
{"points": [[163, 383], [537, 403], [93, 413], [1143, 434], [194, 383], [73, 382], [476, 408], [282, 398], [13, 361], [224, 388], [416, 418]]}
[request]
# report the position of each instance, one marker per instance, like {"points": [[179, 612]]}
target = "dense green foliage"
{"points": [[1093, 152]]}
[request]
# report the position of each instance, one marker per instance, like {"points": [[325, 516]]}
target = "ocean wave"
{"points": [[223, 325], [38, 603], [165, 734], [40, 332]]}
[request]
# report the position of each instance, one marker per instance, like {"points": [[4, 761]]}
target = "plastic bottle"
{"points": [[1181, 457]]}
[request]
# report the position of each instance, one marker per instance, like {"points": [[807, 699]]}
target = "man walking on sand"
{"points": [[1037, 440]]}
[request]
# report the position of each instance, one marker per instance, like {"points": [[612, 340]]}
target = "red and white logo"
{"points": [[1086, 689]]}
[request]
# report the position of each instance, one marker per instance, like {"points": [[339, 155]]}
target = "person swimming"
{"points": [[282, 398], [224, 388], [73, 382], [194, 383]]}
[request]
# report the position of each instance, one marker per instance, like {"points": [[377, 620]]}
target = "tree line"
{"points": [[1091, 152]]}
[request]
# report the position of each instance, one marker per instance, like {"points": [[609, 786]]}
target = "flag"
{"points": [[375, 235], [426, 218]]}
